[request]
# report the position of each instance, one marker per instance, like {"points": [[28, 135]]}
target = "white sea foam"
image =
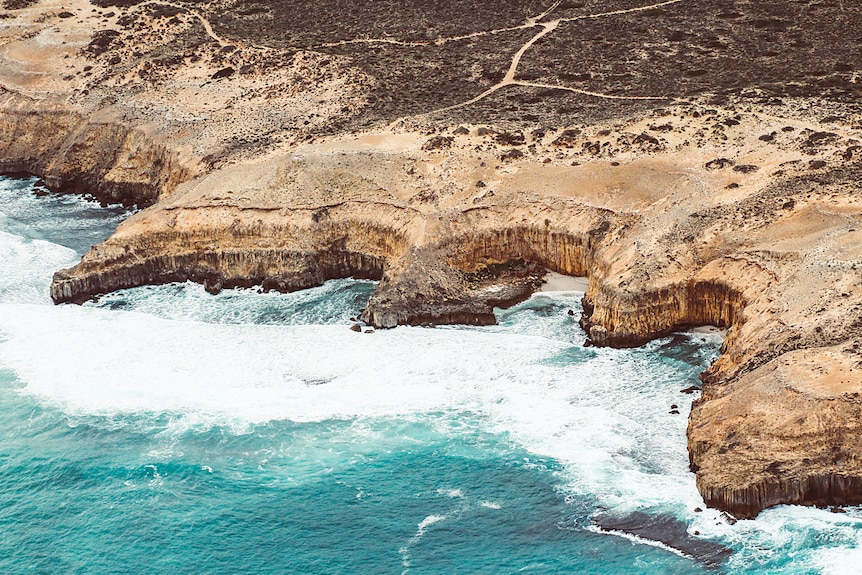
{"points": [[639, 540], [430, 520], [26, 267], [417, 537], [101, 362], [839, 560], [454, 493], [606, 419], [330, 303]]}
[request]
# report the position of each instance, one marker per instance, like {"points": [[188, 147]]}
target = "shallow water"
{"points": [[168, 430]]}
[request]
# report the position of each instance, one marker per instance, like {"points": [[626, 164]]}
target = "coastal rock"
{"points": [[668, 531], [442, 262], [786, 432], [73, 154], [306, 163]]}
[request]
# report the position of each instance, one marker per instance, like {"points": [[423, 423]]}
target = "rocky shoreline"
{"points": [[454, 263], [738, 212], [76, 154]]}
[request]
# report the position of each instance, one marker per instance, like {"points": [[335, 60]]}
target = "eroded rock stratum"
{"points": [[699, 160]]}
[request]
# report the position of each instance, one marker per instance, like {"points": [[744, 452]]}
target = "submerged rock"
{"points": [[667, 530]]}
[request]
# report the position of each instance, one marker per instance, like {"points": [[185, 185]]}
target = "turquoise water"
{"points": [[166, 430]]}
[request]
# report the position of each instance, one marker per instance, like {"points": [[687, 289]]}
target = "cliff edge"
{"points": [[458, 159]]}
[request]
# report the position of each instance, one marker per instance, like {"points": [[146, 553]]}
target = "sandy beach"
{"points": [[556, 282]]}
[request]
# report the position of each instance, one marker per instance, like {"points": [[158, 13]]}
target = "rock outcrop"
{"points": [[83, 155], [785, 432], [264, 253]]}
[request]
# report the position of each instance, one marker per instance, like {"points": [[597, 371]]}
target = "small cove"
{"points": [[249, 432]]}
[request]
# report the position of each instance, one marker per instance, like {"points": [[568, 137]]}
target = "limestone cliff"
{"points": [[77, 154], [666, 246], [713, 181]]}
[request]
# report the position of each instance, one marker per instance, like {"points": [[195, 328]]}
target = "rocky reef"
{"points": [[284, 160]]}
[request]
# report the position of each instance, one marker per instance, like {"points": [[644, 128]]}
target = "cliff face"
{"points": [[461, 278], [264, 251], [331, 151], [665, 247], [786, 432], [77, 154]]}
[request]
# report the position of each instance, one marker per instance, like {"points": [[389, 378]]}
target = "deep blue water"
{"points": [[166, 430]]}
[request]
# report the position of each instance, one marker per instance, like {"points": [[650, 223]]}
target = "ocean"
{"points": [[166, 430]]}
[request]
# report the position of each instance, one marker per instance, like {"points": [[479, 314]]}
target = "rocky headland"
{"points": [[699, 161]]}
